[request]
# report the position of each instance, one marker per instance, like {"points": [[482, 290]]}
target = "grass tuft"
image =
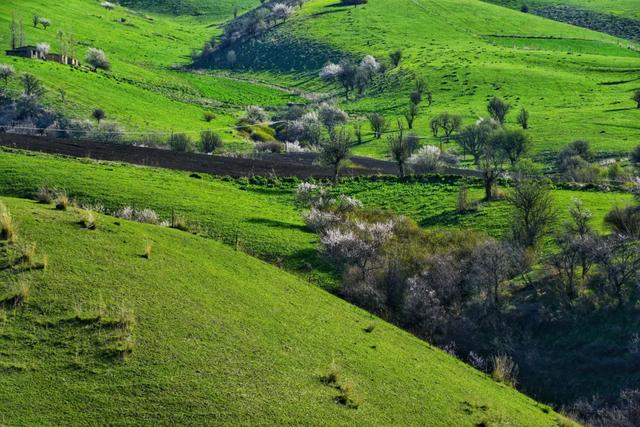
{"points": [[349, 396], [370, 327], [45, 195], [17, 295], [62, 201], [333, 374], [88, 220], [148, 250], [505, 370], [8, 228]]}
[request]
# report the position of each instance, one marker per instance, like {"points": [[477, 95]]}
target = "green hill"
{"points": [[211, 336], [576, 83], [143, 91]]}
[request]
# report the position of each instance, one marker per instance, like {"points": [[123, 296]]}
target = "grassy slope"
{"points": [[266, 220], [218, 9], [221, 338], [562, 83], [141, 91]]}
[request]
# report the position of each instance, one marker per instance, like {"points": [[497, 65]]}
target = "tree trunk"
{"points": [[488, 187]]}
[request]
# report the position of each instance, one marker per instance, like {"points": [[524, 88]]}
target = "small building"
{"points": [[32, 52], [62, 59], [26, 52]]}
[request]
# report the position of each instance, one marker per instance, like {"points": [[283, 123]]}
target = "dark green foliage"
{"points": [[209, 141], [181, 142], [498, 109]]}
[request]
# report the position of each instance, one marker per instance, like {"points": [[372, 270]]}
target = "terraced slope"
{"points": [[575, 83], [212, 337]]}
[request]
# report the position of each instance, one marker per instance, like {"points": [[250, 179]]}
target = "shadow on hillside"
{"points": [[267, 53], [276, 224]]}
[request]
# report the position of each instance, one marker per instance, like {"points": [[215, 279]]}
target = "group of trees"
{"points": [[24, 112], [250, 25], [454, 286], [352, 76], [39, 20]]}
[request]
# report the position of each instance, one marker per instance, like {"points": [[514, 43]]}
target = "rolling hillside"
{"points": [[142, 91], [576, 83], [260, 215], [210, 336]]}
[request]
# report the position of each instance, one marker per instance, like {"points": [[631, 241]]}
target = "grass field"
{"points": [[217, 338], [576, 83], [141, 91], [263, 217]]}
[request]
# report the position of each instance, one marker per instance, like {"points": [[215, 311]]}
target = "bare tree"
{"points": [[491, 164], [411, 114], [399, 149], [515, 143], [474, 138], [491, 263], [498, 109], [533, 210], [378, 124], [523, 118], [335, 151]]}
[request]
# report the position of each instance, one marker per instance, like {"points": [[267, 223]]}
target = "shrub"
{"points": [[269, 147], [108, 132], [624, 221], [378, 124], [255, 115], [396, 57], [97, 59], [498, 109], [8, 229], [463, 204], [504, 370], [181, 143], [427, 159], [209, 141], [209, 116], [147, 216], [179, 223]]}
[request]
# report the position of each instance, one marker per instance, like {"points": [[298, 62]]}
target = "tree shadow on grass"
{"points": [[276, 224]]}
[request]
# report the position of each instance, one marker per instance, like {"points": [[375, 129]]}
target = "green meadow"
{"points": [[575, 83], [213, 337], [261, 216], [143, 91]]}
